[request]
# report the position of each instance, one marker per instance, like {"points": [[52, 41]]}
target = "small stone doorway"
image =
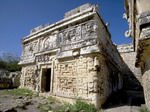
{"points": [[46, 80]]}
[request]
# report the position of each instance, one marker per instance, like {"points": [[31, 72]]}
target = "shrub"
{"points": [[9, 61], [144, 109], [55, 106], [51, 100], [78, 106], [82, 105], [18, 92]]}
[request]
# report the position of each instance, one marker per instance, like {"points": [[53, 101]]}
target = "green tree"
{"points": [[9, 62], [2, 64]]}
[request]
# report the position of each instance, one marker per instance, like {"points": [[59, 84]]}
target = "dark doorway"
{"points": [[46, 80]]}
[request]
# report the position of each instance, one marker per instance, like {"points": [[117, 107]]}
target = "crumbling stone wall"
{"points": [[9, 79]]}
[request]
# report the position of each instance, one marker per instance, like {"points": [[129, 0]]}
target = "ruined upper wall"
{"points": [[83, 9], [123, 48], [80, 9]]}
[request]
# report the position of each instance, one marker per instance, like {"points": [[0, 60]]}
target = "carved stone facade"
{"points": [[72, 58], [138, 12]]}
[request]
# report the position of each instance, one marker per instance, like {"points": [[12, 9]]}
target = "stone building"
{"points": [[138, 17], [72, 58]]}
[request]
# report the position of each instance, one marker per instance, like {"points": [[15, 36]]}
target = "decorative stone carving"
{"points": [[66, 79], [66, 58], [29, 76], [28, 52], [44, 58], [49, 42], [128, 33], [78, 36], [73, 79], [125, 48]]}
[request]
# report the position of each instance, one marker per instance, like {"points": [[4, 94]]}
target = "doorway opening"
{"points": [[46, 80]]}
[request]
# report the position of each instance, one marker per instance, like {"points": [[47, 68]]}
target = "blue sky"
{"points": [[18, 17]]}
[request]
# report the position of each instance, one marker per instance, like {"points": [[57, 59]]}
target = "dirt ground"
{"points": [[27, 103], [11, 103]]}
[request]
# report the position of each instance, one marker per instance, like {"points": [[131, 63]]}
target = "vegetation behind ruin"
{"points": [[9, 61]]}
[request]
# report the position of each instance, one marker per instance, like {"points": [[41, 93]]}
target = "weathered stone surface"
{"points": [[129, 56], [133, 76], [125, 48], [9, 79], [79, 9], [138, 11], [73, 58]]}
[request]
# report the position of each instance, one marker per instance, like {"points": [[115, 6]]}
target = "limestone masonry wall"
{"points": [[132, 73], [129, 56], [73, 58]]}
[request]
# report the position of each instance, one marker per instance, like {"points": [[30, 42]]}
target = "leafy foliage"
{"points": [[78, 106], [17, 92], [51, 100], [9, 61], [3, 64]]}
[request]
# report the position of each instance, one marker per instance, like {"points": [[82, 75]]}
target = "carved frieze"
{"points": [[78, 36], [49, 42], [28, 52], [30, 48], [29, 77], [44, 58]]}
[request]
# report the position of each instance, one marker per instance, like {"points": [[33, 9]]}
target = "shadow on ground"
{"points": [[124, 98]]}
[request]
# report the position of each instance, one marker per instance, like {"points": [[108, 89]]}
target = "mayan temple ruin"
{"points": [[72, 58], [138, 17]]}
